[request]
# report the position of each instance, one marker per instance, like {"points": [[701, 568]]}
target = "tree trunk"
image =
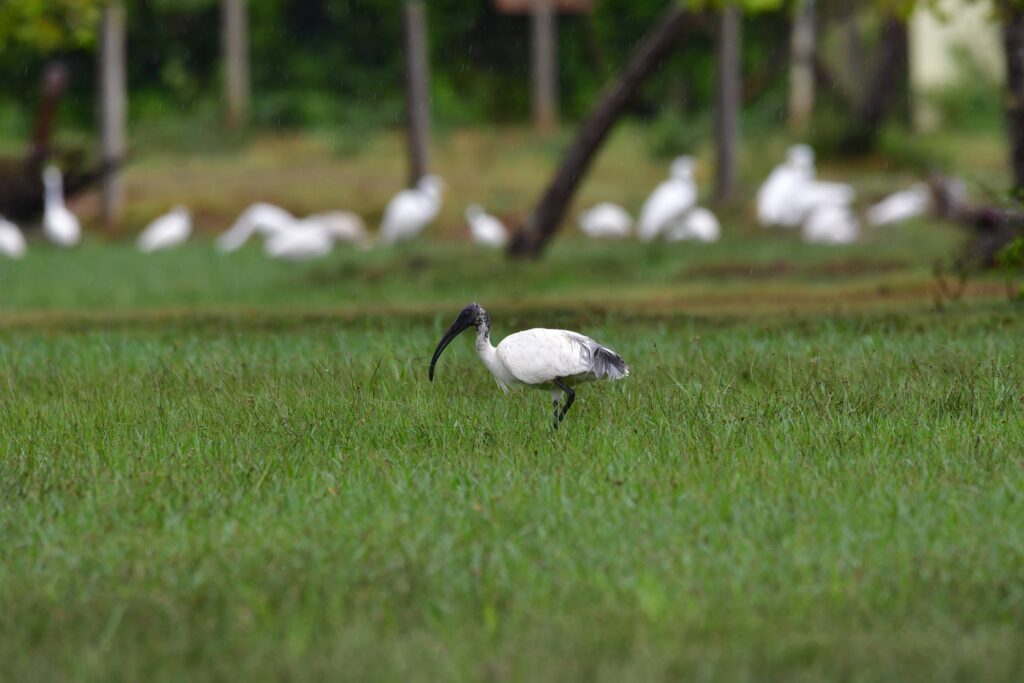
{"points": [[647, 59], [853, 53], [545, 66], [417, 93], [727, 119], [902, 101], [801, 71], [1013, 46], [235, 46], [55, 82], [113, 108], [883, 90]]}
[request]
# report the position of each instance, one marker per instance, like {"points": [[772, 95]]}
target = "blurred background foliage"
{"points": [[324, 63], [337, 66]]}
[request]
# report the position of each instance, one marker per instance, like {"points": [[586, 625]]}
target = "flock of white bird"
{"points": [[60, 225], [791, 197], [670, 212]]}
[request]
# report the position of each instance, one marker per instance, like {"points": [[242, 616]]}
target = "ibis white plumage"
{"points": [[778, 196], [304, 240], [59, 225], [343, 226], [12, 242], [485, 228], [169, 230], [697, 224], [412, 210], [901, 206], [315, 236], [669, 200], [606, 221], [553, 360], [815, 193], [262, 218], [831, 224]]}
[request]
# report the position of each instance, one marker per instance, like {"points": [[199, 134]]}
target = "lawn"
{"points": [[221, 468], [836, 498]]}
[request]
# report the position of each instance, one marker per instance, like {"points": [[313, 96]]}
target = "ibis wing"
{"points": [[540, 356]]}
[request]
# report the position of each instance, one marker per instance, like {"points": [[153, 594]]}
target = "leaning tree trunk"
{"points": [[647, 59], [1013, 45]]}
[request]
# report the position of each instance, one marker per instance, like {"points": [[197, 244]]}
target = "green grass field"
{"points": [[222, 468]]}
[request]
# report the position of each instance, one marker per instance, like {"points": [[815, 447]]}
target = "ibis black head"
{"points": [[472, 315]]}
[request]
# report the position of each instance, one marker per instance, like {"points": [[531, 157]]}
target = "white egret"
{"points": [[815, 193], [412, 210], [901, 206], [831, 224], [302, 241], [554, 360], [12, 242], [343, 226], [606, 221], [697, 224], [669, 200], [485, 228], [778, 195], [262, 218], [169, 230], [59, 225]]}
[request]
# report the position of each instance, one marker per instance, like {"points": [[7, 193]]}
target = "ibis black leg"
{"points": [[555, 403], [570, 396]]}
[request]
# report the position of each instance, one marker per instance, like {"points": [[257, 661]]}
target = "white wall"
{"points": [[938, 40], [936, 37]]}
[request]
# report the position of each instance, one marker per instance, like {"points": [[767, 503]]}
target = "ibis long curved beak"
{"points": [[461, 323]]}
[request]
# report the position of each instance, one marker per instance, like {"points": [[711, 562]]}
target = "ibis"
{"points": [[485, 228], [169, 230], [606, 221], [831, 223], [901, 206], [343, 226], [697, 224], [412, 210], [12, 242], [306, 239], [553, 360], [776, 196], [260, 217], [59, 225], [315, 236], [669, 200], [815, 193]]}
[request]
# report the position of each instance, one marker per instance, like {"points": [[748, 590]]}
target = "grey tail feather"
{"points": [[609, 364]]}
